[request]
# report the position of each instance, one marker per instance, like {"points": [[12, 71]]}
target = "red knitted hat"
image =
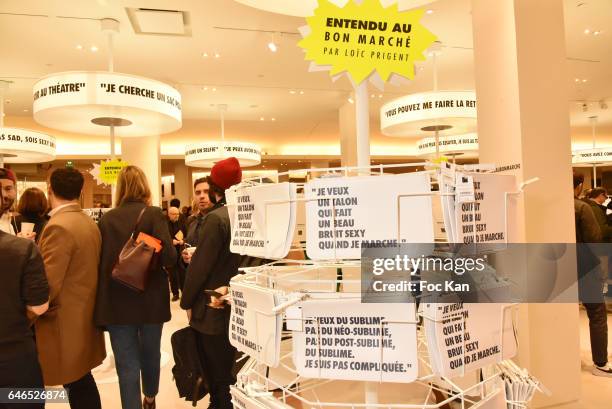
{"points": [[226, 173], [10, 175]]}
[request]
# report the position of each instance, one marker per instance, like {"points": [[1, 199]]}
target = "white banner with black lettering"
{"points": [[474, 334], [25, 146], [482, 217], [254, 328], [262, 219], [343, 212], [345, 339]]}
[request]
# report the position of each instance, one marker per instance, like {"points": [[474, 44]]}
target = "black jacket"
{"points": [[212, 266], [115, 303], [23, 283], [39, 223]]}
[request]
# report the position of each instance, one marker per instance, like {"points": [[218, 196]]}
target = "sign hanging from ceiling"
{"points": [[89, 102], [592, 156], [365, 38], [25, 146], [107, 171], [206, 154]]}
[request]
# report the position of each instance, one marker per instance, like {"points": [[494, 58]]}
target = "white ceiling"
{"points": [[40, 37]]}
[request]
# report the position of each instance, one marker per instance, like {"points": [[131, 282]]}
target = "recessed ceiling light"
{"points": [[584, 80], [79, 47], [273, 119], [261, 118], [272, 46], [214, 89], [292, 92], [372, 96], [301, 92], [596, 33], [204, 55], [587, 31], [430, 11], [351, 100], [204, 88], [217, 55], [94, 49], [577, 80], [379, 95], [26, 110]]}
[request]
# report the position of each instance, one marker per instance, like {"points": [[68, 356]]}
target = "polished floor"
{"points": [[596, 391]]}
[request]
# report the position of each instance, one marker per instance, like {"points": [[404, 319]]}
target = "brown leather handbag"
{"points": [[135, 262]]}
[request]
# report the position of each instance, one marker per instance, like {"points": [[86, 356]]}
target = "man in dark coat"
{"points": [[211, 268], [588, 231], [178, 231]]}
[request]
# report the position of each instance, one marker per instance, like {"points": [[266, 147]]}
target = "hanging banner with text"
{"points": [[107, 171], [450, 112], [254, 329], [344, 339], [24, 146], [481, 217], [456, 144], [206, 154], [263, 219], [365, 38], [586, 157], [90, 102], [342, 213], [464, 337]]}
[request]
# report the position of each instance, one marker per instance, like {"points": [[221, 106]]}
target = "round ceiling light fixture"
{"points": [[447, 112], [592, 156], [206, 154], [90, 102], [21, 145], [465, 146], [24, 146]]}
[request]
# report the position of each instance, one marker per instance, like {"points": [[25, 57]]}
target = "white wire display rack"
{"points": [[300, 280]]}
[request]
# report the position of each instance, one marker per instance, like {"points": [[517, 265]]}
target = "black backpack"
{"points": [[188, 374]]}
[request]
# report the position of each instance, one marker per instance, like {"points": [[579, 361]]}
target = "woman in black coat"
{"points": [[133, 319], [32, 208]]}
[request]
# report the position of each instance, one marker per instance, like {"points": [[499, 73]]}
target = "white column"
{"points": [[523, 118], [144, 152], [348, 135]]}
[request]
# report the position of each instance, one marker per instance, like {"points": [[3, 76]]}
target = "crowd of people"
{"points": [[593, 226], [61, 290]]}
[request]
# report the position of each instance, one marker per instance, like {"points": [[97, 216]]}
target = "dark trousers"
{"points": [[598, 328], [219, 357], [137, 351], [21, 372], [174, 280], [83, 393]]}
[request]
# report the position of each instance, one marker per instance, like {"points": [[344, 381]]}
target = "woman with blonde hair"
{"points": [[134, 319]]}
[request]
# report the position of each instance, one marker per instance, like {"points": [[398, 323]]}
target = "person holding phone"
{"points": [[206, 285]]}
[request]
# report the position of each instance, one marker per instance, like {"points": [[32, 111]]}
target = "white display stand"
{"points": [[335, 353]]}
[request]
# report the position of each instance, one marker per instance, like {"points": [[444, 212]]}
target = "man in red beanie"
{"points": [[9, 194], [211, 268]]}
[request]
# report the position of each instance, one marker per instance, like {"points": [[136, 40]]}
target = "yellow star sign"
{"points": [[361, 38]]}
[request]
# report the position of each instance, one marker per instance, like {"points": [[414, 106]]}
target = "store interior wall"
{"points": [[520, 71]]}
